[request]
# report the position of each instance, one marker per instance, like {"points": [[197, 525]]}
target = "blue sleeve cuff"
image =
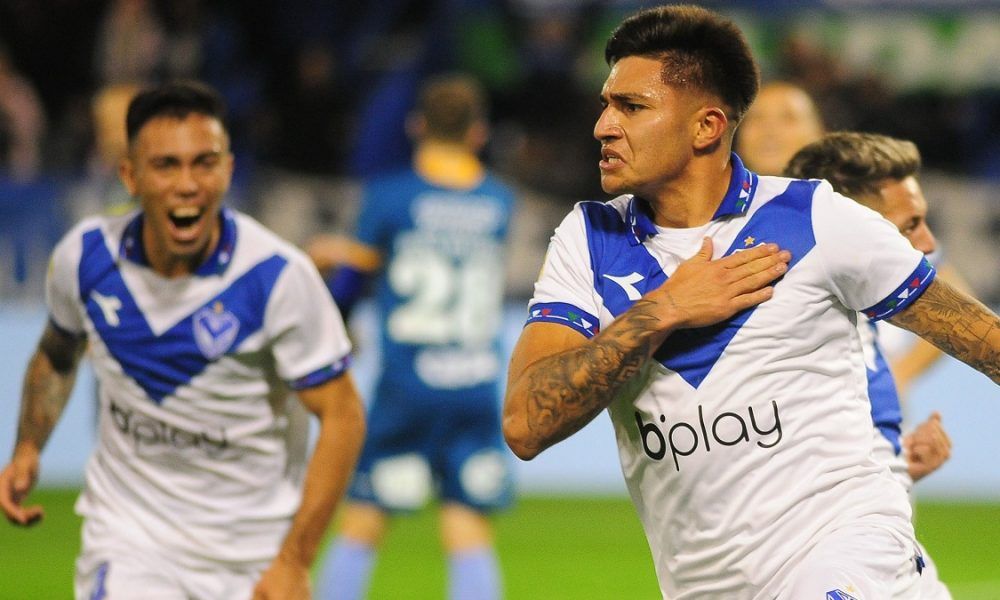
{"points": [[322, 375], [905, 294], [564, 314]]}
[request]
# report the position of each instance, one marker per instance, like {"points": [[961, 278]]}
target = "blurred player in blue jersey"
{"points": [[880, 172], [199, 323], [743, 422], [435, 234]]}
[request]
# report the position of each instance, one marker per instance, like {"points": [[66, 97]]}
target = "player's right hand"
{"points": [[16, 481], [926, 448], [703, 291]]}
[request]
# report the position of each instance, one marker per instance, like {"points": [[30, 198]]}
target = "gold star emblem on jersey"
{"points": [[749, 240]]}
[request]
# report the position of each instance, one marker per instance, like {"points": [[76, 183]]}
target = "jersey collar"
{"points": [[131, 245], [742, 185]]}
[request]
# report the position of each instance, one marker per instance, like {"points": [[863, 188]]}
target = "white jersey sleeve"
{"points": [[310, 340], [872, 267], [564, 292], [62, 284]]}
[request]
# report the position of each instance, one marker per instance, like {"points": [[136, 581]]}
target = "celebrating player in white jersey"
{"points": [[880, 172], [199, 322], [745, 439]]}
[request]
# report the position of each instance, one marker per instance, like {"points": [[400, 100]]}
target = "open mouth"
{"points": [[185, 217], [610, 159]]}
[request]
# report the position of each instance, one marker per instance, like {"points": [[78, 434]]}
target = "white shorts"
{"points": [[857, 562], [931, 587], [122, 566]]}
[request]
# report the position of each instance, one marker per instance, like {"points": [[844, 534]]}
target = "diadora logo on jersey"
{"points": [[215, 330], [727, 429], [627, 283], [839, 595], [109, 305]]}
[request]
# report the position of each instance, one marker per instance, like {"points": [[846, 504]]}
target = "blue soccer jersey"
{"points": [[434, 421], [746, 443], [441, 290]]}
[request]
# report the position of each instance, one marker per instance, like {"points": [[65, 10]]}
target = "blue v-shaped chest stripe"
{"points": [[162, 363], [786, 220]]}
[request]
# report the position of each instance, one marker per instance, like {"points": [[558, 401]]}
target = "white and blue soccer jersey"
{"points": [[887, 413], [201, 449], [441, 292], [880, 339], [744, 443]]}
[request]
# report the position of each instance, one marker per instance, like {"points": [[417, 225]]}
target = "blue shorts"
{"points": [[414, 449]]}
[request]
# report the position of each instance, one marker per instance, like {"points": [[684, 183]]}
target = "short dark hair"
{"points": [[175, 99], [856, 164], [697, 48], [450, 104]]}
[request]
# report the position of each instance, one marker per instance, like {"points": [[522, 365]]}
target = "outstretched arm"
{"points": [[341, 433], [922, 355], [559, 381], [47, 386], [956, 323]]}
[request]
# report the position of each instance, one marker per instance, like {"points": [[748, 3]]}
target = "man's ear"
{"points": [[126, 172], [712, 126], [477, 135]]}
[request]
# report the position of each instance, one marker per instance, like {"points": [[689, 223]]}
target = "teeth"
{"points": [[185, 212]]}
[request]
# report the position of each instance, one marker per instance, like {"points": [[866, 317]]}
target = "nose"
{"points": [[186, 183], [923, 239], [607, 127]]}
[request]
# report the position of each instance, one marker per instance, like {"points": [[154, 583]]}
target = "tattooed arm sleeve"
{"points": [[957, 324], [47, 386], [554, 397]]}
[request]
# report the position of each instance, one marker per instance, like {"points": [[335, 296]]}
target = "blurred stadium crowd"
{"points": [[319, 90]]}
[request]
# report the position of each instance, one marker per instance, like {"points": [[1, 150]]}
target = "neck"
{"points": [[691, 199], [170, 264], [446, 164]]}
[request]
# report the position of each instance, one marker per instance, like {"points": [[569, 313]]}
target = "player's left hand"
{"points": [[926, 448], [283, 580]]}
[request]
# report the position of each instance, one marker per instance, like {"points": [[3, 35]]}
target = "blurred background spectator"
{"points": [[22, 124]]}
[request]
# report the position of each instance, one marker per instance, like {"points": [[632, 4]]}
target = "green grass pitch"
{"points": [[550, 549]]}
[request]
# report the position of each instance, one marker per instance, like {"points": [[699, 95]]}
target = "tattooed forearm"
{"points": [[567, 390], [47, 386], [957, 324]]}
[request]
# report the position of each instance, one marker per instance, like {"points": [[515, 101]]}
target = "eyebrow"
{"points": [[626, 97]]}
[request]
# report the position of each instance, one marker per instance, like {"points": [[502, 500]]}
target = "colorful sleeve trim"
{"points": [[565, 314], [322, 375], [905, 294]]}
